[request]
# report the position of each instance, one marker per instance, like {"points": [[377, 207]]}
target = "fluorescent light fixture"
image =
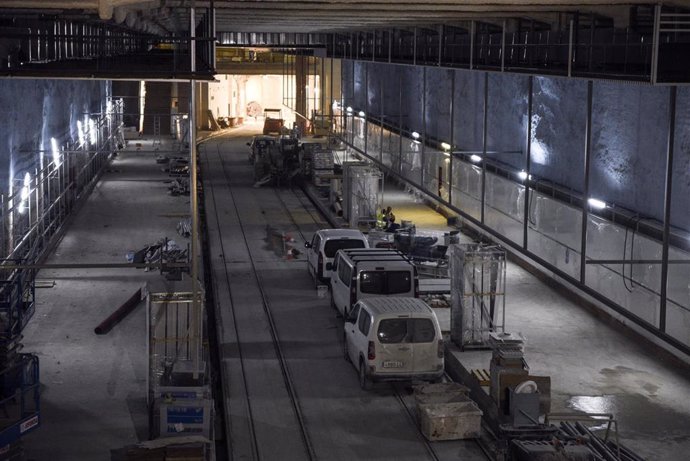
{"points": [[349, 109], [93, 133], [56, 151], [415, 135], [80, 131], [475, 158], [445, 145], [596, 203], [361, 113]]}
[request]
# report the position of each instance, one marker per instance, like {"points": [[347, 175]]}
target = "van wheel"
{"points": [[364, 381]]}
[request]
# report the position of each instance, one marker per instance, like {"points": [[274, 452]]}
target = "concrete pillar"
{"points": [[202, 106], [301, 75]]}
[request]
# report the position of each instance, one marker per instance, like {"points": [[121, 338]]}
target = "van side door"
{"points": [[340, 285], [360, 336], [350, 331]]}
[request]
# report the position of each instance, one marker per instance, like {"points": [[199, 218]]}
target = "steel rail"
{"points": [[287, 378]]}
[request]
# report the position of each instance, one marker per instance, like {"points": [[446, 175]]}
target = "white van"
{"points": [[370, 272], [324, 245], [394, 339]]}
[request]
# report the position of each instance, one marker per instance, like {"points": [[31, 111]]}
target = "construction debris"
{"points": [[179, 186], [184, 227]]}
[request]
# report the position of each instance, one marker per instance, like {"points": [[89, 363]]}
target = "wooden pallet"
{"points": [[482, 376]]}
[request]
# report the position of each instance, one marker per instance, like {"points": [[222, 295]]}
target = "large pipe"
{"points": [[106, 325]]}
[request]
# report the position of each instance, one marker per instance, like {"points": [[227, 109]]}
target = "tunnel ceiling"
{"points": [[165, 17]]}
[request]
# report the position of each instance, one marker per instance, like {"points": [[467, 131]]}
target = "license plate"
{"points": [[392, 364]]}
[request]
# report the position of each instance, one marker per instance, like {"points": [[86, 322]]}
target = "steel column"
{"points": [[570, 49], [528, 160], [366, 108], [452, 137], [484, 140], [585, 192], [668, 195], [421, 180], [655, 44], [472, 29], [196, 324]]}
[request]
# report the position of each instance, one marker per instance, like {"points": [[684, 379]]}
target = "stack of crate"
{"points": [[322, 168]]}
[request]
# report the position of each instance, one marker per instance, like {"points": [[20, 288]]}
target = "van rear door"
{"points": [[394, 353], [424, 341]]}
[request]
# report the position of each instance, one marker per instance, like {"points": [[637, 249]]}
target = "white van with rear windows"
{"points": [[394, 339], [371, 272], [325, 244]]}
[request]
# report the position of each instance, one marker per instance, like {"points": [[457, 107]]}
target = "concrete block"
{"points": [[450, 421], [425, 394]]}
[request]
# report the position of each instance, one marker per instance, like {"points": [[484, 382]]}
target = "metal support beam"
{"points": [[585, 192], [423, 125], [503, 46], [655, 44], [570, 49], [528, 161], [473, 27], [452, 137], [668, 195], [196, 323], [484, 141]]}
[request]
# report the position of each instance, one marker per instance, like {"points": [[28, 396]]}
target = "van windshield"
{"points": [[394, 331], [385, 282], [332, 246]]}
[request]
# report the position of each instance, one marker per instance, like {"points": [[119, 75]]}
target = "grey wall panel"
{"points": [[629, 136], [507, 118], [438, 90], [559, 112], [468, 118], [413, 89]]}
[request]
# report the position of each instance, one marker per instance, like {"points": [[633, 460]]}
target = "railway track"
{"points": [[285, 371], [289, 201]]}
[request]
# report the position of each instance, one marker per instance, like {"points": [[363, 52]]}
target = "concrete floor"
{"points": [[94, 387]]}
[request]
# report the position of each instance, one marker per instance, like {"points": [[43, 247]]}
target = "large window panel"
{"points": [[504, 207], [436, 172], [635, 287], [467, 188], [678, 285]]}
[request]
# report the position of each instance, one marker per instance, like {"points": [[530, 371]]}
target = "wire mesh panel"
{"points": [[361, 188], [174, 340], [478, 279]]}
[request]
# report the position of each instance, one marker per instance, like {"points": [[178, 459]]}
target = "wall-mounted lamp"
{"points": [[361, 113], [445, 146], [349, 109], [596, 203], [475, 158], [523, 175], [93, 133], [415, 135], [56, 151], [24, 195], [80, 132]]}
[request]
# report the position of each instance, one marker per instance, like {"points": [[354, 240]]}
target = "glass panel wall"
{"points": [[557, 150], [628, 163]]}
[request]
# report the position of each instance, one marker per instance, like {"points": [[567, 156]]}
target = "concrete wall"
{"points": [[33, 111]]}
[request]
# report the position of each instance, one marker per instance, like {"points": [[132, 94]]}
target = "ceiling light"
{"points": [[446, 146], [475, 158], [523, 175], [349, 109], [361, 113], [596, 203], [415, 135]]}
